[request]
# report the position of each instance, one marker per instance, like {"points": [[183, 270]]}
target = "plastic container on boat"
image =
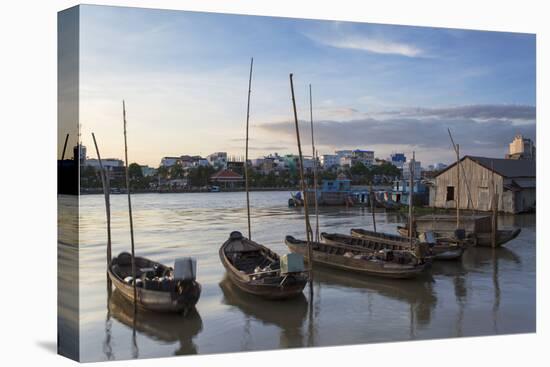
{"points": [[292, 263], [185, 268]]}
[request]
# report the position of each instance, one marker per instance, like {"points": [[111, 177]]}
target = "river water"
{"points": [[488, 292]]}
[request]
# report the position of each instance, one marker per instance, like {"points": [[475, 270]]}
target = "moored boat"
{"points": [[482, 239], [440, 249], [257, 270], [158, 287], [382, 263], [477, 228], [380, 241]]}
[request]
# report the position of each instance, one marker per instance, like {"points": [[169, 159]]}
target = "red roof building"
{"points": [[226, 178]]}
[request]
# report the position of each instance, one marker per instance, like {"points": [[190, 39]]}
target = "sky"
{"points": [[184, 79]]}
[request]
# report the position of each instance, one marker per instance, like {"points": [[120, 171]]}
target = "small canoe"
{"points": [[156, 288], [443, 249], [383, 263], [256, 269], [376, 241]]}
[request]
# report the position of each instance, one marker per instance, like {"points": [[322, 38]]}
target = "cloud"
{"points": [[370, 44], [476, 112], [489, 137]]}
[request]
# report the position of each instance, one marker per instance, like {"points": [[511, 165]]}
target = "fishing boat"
{"points": [[158, 287], [477, 229], [257, 270], [440, 248], [384, 262], [381, 241]]}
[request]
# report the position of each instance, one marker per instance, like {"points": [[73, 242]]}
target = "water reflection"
{"points": [[418, 293], [168, 328], [289, 315]]}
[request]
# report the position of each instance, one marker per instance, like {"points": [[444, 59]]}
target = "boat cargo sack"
{"points": [[185, 268], [292, 263]]}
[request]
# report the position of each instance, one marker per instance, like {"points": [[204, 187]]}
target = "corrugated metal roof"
{"points": [[509, 168]]}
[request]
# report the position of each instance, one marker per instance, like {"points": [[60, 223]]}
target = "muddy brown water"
{"points": [[488, 292]]}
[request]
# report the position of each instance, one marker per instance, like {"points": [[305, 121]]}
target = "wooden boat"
{"points": [[382, 263], [156, 288], [443, 249], [256, 269], [478, 228], [380, 241], [503, 236], [478, 239]]}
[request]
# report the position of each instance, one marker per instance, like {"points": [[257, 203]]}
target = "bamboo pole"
{"points": [[303, 188], [314, 167], [494, 211], [455, 148], [457, 186], [129, 206], [317, 227], [372, 200], [411, 193], [106, 189], [65, 147], [246, 152]]}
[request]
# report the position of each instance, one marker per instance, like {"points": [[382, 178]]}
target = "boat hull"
{"points": [[378, 269], [288, 286], [440, 251], [479, 239], [153, 300]]}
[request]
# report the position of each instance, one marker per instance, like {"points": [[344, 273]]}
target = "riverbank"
{"points": [[95, 191]]}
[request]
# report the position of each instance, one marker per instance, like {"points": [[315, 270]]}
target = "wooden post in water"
{"points": [[106, 189], [129, 206], [246, 153], [457, 186], [494, 209], [314, 167], [303, 188], [372, 199], [411, 193]]}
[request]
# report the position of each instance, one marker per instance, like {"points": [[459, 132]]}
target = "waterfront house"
{"points": [[227, 179], [401, 191], [513, 180]]}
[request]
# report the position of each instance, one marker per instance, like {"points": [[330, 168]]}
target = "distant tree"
{"points": [[89, 177], [134, 171], [162, 172], [358, 169], [199, 176], [176, 171], [387, 169]]}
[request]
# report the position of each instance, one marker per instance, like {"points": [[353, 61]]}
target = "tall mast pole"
{"points": [[462, 171], [314, 155], [411, 193], [129, 206], [246, 153], [64, 147], [105, 183], [303, 188], [457, 186]]}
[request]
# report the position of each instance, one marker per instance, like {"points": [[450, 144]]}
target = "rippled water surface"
{"points": [[488, 292]]}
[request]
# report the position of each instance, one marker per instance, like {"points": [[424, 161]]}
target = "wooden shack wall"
{"points": [[479, 184]]}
